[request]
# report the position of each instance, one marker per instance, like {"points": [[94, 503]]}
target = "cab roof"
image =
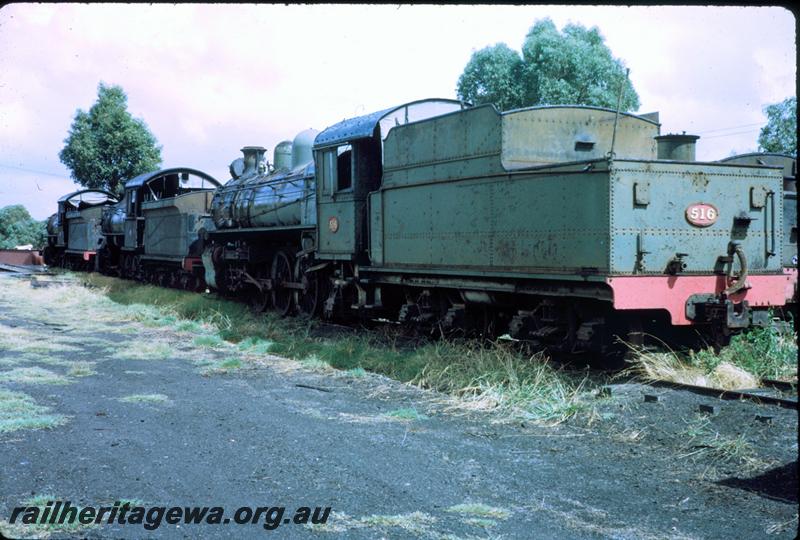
{"points": [[142, 179], [364, 126]]}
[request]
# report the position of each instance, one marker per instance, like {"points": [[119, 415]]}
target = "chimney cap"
{"points": [[677, 137]]}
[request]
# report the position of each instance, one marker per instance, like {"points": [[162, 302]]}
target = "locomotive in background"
{"points": [[74, 232], [566, 226]]}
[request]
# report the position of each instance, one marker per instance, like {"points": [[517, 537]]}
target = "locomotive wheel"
{"points": [[192, 284], [122, 266], [258, 300], [282, 270], [309, 299]]}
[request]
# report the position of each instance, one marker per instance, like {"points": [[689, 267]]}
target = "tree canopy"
{"points": [[107, 146], [780, 133], [18, 228], [569, 67]]}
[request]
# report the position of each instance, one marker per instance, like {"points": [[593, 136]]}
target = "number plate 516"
{"points": [[701, 214]]}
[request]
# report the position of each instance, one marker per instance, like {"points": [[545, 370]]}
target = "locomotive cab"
{"points": [[74, 230], [349, 165]]}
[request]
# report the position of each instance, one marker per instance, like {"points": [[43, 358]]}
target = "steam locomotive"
{"points": [[567, 226]]}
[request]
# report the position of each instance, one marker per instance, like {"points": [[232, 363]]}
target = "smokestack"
{"points": [[253, 157]]}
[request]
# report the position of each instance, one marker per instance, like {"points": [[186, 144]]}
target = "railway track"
{"points": [[774, 393]]}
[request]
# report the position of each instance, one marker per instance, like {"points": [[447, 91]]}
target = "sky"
{"points": [[209, 79]]}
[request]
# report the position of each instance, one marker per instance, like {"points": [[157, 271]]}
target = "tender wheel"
{"points": [[137, 270], [309, 299], [282, 271]]}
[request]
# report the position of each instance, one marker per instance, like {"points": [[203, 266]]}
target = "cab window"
{"points": [[337, 169], [344, 167], [327, 172]]}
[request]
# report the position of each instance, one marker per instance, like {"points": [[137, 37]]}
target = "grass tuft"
{"points": [[406, 414], [20, 411], [752, 355], [32, 375], [231, 363], [704, 442], [141, 349], [357, 373], [315, 364], [480, 510], [254, 345], [481, 522], [81, 369], [145, 398], [210, 341], [417, 523]]}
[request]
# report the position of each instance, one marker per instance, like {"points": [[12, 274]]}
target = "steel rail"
{"points": [[787, 403], [785, 386]]}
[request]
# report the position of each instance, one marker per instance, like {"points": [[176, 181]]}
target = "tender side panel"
{"points": [[546, 135], [650, 227], [171, 225], [521, 223], [84, 229], [454, 146]]}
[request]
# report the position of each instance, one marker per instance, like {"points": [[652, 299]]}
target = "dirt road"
{"points": [[174, 426]]}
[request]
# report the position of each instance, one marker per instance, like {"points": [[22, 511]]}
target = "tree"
{"points": [[570, 67], [493, 75], [18, 228], [780, 133], [107, 146]]}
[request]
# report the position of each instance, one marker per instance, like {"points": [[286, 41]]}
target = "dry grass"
{"points": [[408, 414], [81, 369], [480, 510], [146, 349], [24, 341], [502, 380], [32, 375], [751, 355], [413, 524], [145, 398], [703, 442], [784, 526], [475, 376], [671, 366], [20, 411]]}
